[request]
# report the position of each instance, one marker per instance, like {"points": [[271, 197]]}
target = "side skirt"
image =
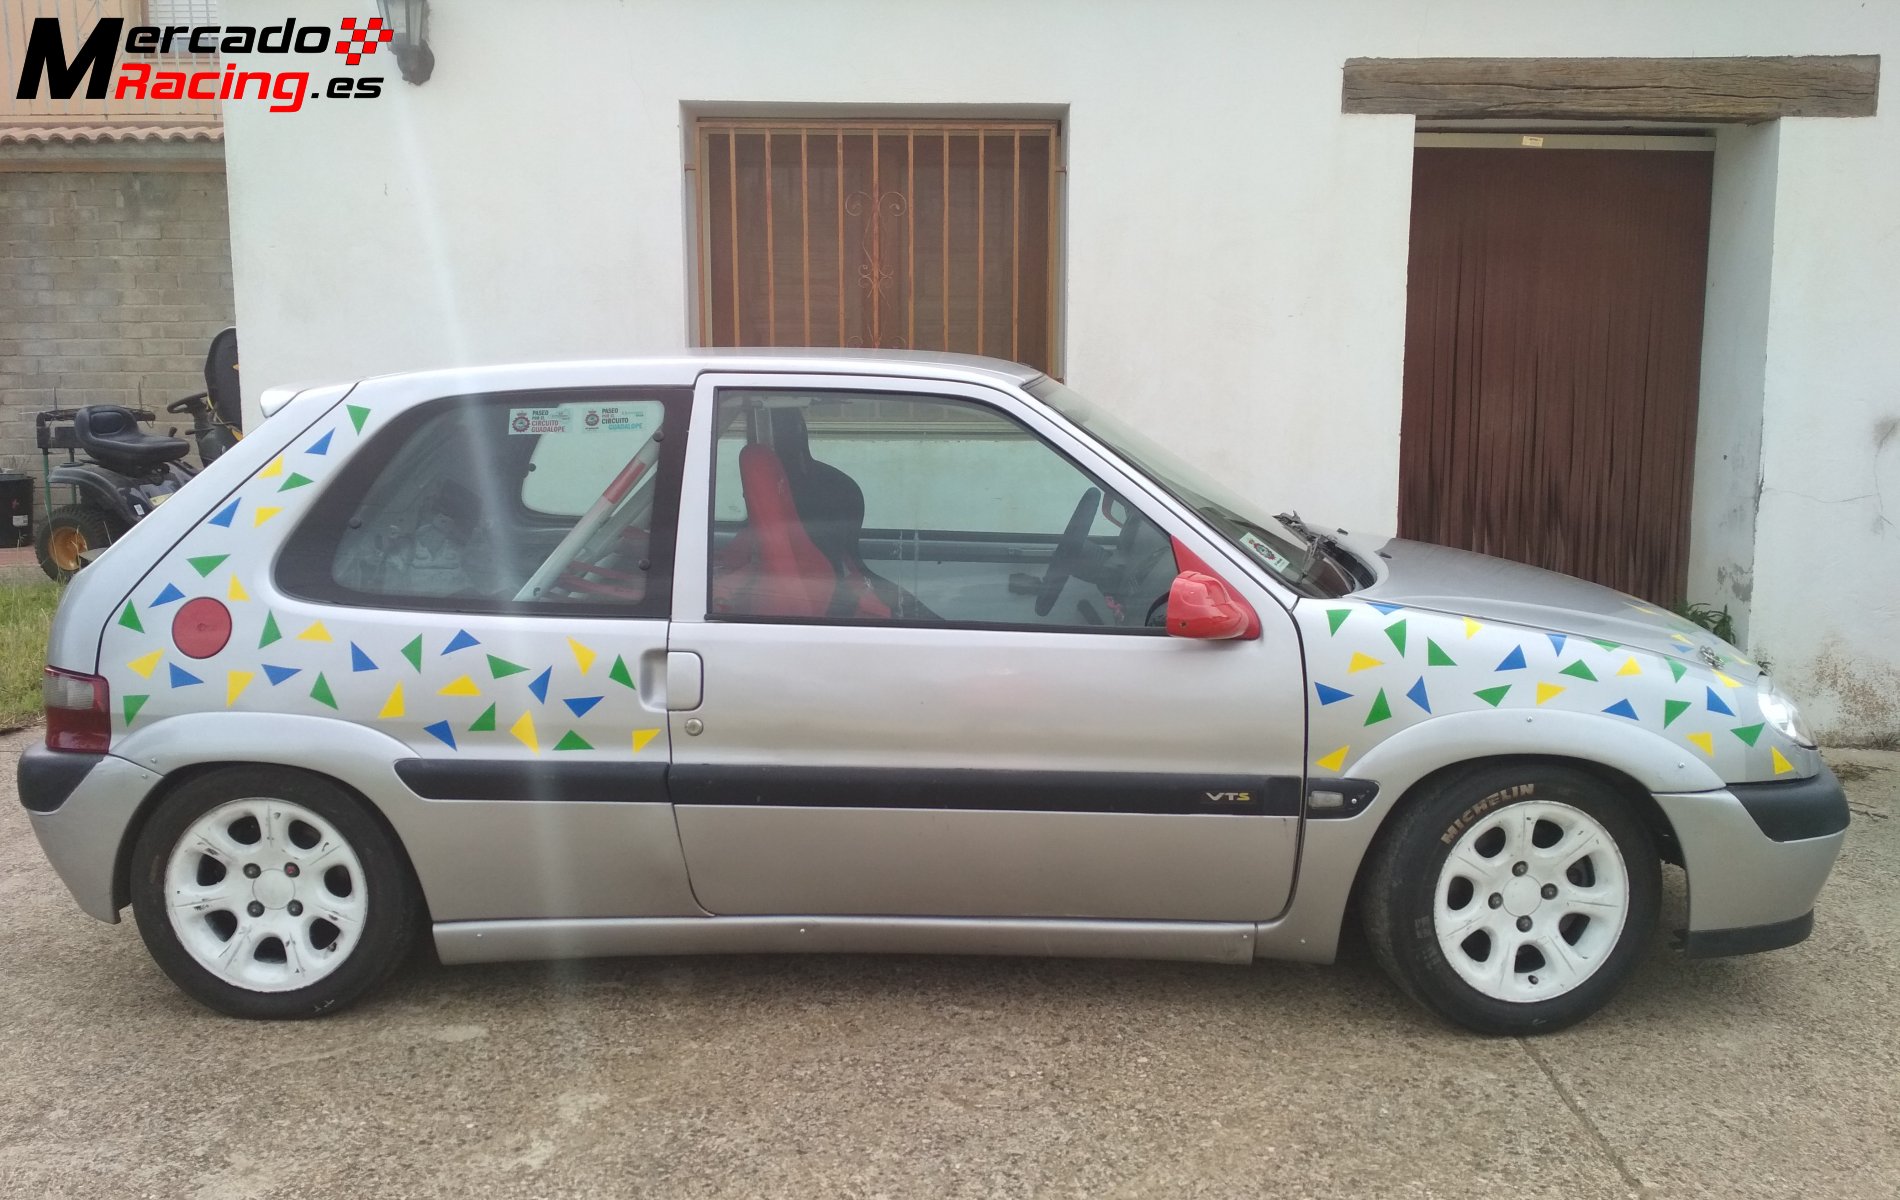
{"points": [[511, 941]]}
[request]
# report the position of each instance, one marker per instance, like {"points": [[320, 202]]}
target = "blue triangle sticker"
{"points": [[1556, 641], [578, 705], [360, 661], [461, 641], [1514, 661], [1717, 704], [322, 446], [1417, 695], [540, 685], [1622, 708], [182, 677], [1388, 609], [440, 730], [1330, 695], [170, 594], [278, 674], [226, 514]]}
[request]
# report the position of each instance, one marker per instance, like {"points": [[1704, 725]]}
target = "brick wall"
{"points": [[111, 286]]}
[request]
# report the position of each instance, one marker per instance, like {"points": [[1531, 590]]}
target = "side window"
{"points": [[879, 507], [525, 502]]}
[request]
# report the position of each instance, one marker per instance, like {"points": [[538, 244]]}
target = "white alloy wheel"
{"points": [[265, 894], [1531, 901]]}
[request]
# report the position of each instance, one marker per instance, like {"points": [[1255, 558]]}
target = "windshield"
{"points": [[1282, 549]]}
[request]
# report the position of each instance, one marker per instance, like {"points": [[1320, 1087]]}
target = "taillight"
{"points": [[78, 711]]}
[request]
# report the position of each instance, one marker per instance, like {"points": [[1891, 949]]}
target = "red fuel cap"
{"points": [[201, 628]]}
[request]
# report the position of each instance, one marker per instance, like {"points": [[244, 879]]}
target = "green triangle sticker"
{"points": [[1579, 670], [295, 481], [1673, 709], [271, 632], [1396, 631], [1335, 617], [130, 619], [501, 668], [1381, 711], [1677, 669], [1493, 696], [413, 652], [620, 674], [484, 723], [1748, 733], [572, 741], [358, 415], [132, 706], [1606, 645], [205, 564], [320, 692], [1435, 655]]}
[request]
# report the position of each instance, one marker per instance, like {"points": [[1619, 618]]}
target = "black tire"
{"points": [[93, 528], [1399, 892], [393, 906]]}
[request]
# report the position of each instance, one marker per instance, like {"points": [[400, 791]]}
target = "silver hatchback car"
{"points": [[872, 652]]}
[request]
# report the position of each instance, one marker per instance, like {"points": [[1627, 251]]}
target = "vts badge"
{"points": [[96, 60]]}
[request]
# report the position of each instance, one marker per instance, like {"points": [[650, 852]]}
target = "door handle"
{"points": [[685, 681]]}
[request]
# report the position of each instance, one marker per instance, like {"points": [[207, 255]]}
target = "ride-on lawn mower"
{"points": [[126, 473]]}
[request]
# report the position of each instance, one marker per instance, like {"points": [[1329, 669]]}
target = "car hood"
{"points": [[1439, 578]]}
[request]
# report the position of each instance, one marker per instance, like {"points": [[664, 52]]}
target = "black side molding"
{"points": [[48, 777], [1008, 791], [1750, 939], [513, 779], [1797, 809]]}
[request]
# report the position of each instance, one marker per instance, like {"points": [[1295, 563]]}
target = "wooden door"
{"points": [[1553, 347]]}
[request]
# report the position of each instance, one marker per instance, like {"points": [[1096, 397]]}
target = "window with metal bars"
{"points": [[181, 12], [925, 235]]}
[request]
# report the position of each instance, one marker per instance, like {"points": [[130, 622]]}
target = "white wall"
{"points": [[1236, 247]]}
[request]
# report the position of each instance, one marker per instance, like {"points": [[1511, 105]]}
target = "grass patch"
{"points": [[26, 616]]}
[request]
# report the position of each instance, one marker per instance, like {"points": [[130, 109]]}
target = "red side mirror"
{"points": [[1201, 606]]}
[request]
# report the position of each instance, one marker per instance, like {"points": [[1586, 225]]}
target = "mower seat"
{"points": [[111, 434]]}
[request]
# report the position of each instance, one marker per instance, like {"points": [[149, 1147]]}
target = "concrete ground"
{"points": [[1771, 1076]]}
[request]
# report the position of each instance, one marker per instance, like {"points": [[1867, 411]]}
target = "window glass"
{"points": [[500, 503], [862, 506]]}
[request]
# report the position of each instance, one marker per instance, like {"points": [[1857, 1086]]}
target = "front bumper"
{"points": [[1757, 855], [81, 806]]}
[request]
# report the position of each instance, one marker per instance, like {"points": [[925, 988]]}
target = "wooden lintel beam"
{"points": [[1651, 89]]}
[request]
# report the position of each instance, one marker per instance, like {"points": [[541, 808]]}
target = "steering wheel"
{"points": [[190, 403], [1068, 552]]}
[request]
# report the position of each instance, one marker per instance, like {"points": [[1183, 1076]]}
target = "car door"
{"points": [[909, 726]]}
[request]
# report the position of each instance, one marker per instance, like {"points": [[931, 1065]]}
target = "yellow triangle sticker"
{"points": [[1361, 662], [582, 655], [1629, 667], [1472, 628], [460, 686], [265, 514], [392, 707], [234, 684], [1780, 760], [275, 469], [1677, 637], [641, 737], [316, 633], [1333, 761], [1705, 741], [1545, 691], [524, 732], [236, 592], [1726, 681], [147, 663]]}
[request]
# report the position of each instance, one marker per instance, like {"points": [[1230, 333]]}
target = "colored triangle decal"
{"points": [[322, 446], [501, 668], [1362, 662], [1330, 695], [130, 618], [572, 741], [641, 737], [315, 633], [580, 705], [271, 632], [461, 685], [582, 655], [1717, 704], [1557, 641], [1418, 696], [413, 652], [1703, 740], [234, 684], [1471, 628], [1673, 709], [1724, 680], [132, 706], [1333, 761], [274, 469], [182, 677], [204, 564], [295, 481], [523, 729], [540, 685], [1623, 708], [235, 592], [484, 723], [1396, 631], [1677, 669], [1748, 733], [619, 674], [1779, 760], [1493, 696], [1630, 667], [392, 707], [1380, 711], [1386, 610], [320, 692], [440, 731], [170, 594], [358, 415], [226, 515], [1435, 655], [1514, 661], [1335, 617], [277, 675], [263, 515], [462, 640], [1548, 691], [1579, 670], [145, 664], [359, 661]]}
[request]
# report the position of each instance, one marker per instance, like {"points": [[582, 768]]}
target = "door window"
{"points": [[870, 507], [527, 502]]}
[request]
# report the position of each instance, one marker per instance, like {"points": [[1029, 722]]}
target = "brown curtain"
{"points": [[1553, 349]]}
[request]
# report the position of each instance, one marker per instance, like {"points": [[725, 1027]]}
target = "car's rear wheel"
{"points": [[267, 892], [1513, 899]]}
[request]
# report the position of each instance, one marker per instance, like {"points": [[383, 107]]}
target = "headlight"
{"points": [[1781, 714]]}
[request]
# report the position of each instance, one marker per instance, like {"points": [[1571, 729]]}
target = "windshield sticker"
{"points": [[540, 420], [615, 418], [1266, 552]]}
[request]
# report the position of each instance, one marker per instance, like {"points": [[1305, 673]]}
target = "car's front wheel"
{"points": [[265, 892], [1513, 899]]}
